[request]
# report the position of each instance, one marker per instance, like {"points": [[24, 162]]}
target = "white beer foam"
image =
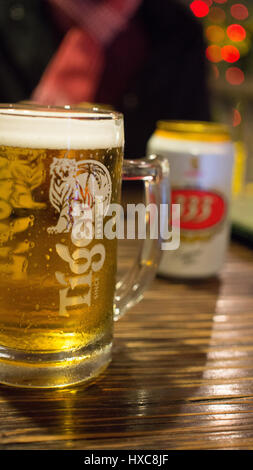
{"points": [[60, 130]]}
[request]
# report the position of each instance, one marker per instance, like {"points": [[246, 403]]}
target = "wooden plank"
{"points": [[181, 375]]}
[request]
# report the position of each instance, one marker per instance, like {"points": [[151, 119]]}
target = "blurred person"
{"points": [[144, 57]]}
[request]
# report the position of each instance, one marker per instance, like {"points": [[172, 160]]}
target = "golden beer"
{"points": [[30, 267]]}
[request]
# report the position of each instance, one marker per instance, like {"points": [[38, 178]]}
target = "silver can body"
{"points": [[201, 177]]}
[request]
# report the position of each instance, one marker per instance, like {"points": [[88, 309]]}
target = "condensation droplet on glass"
{"points": [[47, 257], [37, 307], [31, 220]]}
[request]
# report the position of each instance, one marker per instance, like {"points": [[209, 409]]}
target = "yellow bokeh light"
{"points": [[244, 47], [215, 33]]}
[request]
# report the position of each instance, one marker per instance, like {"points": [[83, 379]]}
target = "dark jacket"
{"points": [[27, 42]]}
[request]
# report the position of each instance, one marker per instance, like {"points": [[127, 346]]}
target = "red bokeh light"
{"points": [[208, 2], [230, 54], [217, 15], [213, 53], [237, 118], [236, 32], [235, 76], [239, 11], [199, 8]]}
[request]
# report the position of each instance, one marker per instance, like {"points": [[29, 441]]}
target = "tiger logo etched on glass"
{"points": [[77, 182]]}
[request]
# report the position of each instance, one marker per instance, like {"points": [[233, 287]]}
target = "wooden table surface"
{"points": [[181, 376]]}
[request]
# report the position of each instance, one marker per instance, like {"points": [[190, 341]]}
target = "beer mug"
{"points": [[58, 295]]}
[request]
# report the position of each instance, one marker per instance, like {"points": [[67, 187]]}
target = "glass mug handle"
{"points": [[154, 172]]}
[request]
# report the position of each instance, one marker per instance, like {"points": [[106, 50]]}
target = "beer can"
{"points": [[201, 157]]}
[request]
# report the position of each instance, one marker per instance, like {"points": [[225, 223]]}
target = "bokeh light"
{"points": [[199, 8], [236, 32], [239, 11], [215, 33], [230, 54], [237, 118], [217, 15], [235, 76], [213, 53]]}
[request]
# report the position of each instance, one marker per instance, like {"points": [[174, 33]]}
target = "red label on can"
{"points": [[200, 209]]}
